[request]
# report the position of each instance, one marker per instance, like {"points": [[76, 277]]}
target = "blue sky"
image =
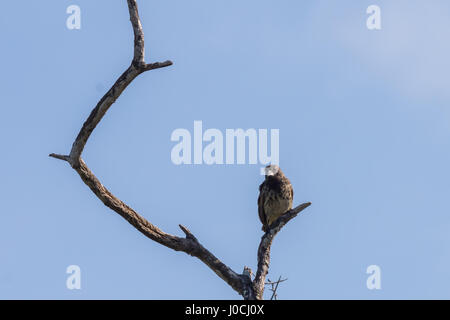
{"points": [[364, 135]]}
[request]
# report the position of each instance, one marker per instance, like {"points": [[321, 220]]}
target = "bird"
{"points": [[275, 196]]}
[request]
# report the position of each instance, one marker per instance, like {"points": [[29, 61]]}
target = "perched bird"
{"points": [[275, 196]]}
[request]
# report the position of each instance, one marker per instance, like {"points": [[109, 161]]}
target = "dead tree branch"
{"points": [[189, 244], [266, 243], [274, 287]]}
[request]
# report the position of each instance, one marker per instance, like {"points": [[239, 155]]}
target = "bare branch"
{"points": [[139, 50], [189, 245], [137, 67], [59, 156], [266, 243], [104, 104], [188, 233], [157, 65], [274, 287]]}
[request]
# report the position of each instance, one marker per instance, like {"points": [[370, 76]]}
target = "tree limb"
{"points": [[266, 243], [189, 244]]}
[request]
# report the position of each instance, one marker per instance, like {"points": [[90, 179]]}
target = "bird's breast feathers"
{"points": [[275, 206]]}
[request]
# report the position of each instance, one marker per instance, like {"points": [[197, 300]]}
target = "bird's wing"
{"points": [[261, 200], [292, 191]]}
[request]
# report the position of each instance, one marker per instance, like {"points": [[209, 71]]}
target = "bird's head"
{"points": [[273, 171]]}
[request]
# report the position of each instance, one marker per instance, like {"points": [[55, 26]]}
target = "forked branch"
{"points": [[189, 244]]}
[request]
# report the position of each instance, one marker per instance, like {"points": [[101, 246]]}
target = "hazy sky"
{"points": [[364, 124]]}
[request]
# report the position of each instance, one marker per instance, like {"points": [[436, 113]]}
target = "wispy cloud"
{"points": [[411, 52]]}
